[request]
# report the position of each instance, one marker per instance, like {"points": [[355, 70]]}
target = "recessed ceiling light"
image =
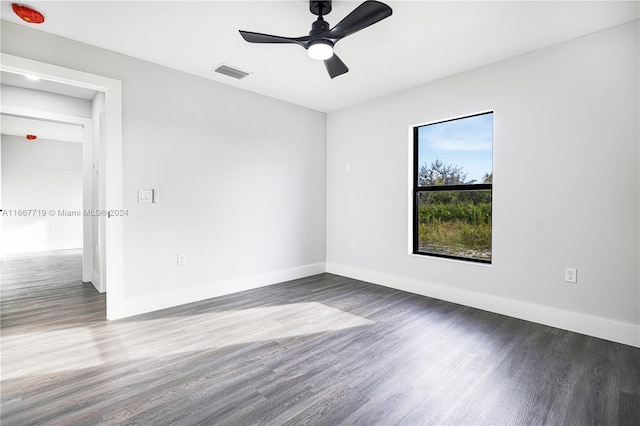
{"points": [[32, 77]]}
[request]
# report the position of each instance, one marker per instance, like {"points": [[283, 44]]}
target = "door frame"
{"points": [[110, 192]]}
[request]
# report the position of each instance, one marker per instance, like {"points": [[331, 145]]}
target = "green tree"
{"points": [[438, 173]]}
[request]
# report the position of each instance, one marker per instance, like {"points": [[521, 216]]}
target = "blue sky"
{"points": [[466, 142]]}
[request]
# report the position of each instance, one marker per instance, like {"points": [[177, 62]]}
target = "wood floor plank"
{"points": [[323, 350]]}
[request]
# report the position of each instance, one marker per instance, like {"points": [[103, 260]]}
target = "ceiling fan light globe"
{"points": [[320, 51]]}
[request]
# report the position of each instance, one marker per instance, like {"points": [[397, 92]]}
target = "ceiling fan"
{"points": [[320, 41]]}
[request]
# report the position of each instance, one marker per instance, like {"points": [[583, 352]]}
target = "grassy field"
{"points": [[456, 227], [456, 238]]}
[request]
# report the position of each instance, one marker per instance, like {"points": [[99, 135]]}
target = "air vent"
{"points": [[231, 71]]}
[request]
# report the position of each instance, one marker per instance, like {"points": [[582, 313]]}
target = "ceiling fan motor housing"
{"points": [[319, 26], [320, 7]]}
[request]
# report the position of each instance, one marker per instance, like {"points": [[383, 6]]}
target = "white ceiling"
{"points": [[18, 80], [22, 125], [422, 41]]}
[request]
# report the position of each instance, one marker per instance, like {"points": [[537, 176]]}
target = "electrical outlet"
{"points": [[182, 259], [571, 275], [353, 244]]}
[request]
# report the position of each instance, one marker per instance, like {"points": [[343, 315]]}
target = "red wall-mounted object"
{"points": [[27, 14], [32, 137]]}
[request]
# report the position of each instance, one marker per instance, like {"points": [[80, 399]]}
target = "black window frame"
{"points": [[435, 188]]}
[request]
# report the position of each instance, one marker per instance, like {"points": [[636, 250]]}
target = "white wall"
{"points": [[241, 177], [43, 175], [566, 187]]}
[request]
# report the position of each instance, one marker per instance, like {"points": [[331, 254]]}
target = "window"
{"points": [[452, 181]]}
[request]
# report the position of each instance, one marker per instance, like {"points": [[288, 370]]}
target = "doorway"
{"points": [[109, 129], [48, 181]]}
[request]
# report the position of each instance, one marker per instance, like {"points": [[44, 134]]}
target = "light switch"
{"points": [[145, 195]]}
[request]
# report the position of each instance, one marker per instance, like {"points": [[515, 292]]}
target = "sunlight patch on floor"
{"points": [[126, 340], [226, 328], [50, 351]]}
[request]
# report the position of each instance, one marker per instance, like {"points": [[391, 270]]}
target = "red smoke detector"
{"points": [[27, 14], [32, 137]]}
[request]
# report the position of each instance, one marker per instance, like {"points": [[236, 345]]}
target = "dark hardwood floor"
{"points": [[323, 350]]}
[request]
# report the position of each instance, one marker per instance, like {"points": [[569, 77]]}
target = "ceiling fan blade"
{"points": [[252, 37], [368, 13], [335, 66]]}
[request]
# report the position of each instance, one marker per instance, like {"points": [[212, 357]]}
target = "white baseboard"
{"points": [[207, 291], [616, 331], [97, 283]]}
